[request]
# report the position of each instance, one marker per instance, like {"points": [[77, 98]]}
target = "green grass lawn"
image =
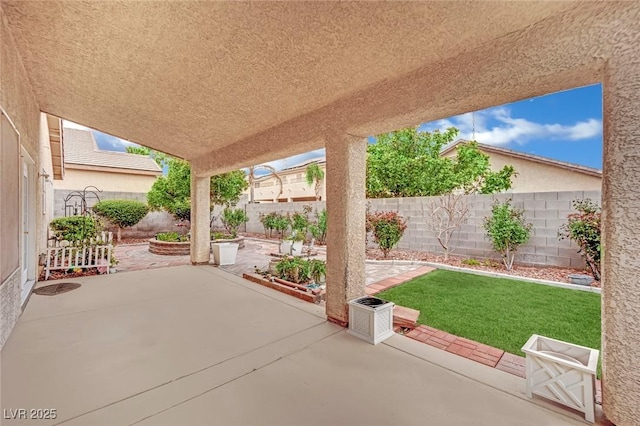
{"points": [[500, 312]]}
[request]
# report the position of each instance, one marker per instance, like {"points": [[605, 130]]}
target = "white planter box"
{"points": [[371, 319], [224, 253], [562, 372], [285, 247], [296, 248]]}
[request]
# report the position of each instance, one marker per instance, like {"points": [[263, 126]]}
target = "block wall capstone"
{"points": [[547, 211]]}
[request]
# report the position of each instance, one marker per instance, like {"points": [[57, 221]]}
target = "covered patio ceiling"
{"points": [[230, 84]]}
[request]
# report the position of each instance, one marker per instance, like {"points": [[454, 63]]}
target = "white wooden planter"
{"points": [[562, 372], [285, 247], [296, 248], [371, 319], [224, 253]]}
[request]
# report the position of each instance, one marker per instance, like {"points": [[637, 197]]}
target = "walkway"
{"points": [[136, 257], [196, 345]]}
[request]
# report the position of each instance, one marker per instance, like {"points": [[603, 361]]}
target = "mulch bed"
{"points": [[59, 275], [536, 272]]}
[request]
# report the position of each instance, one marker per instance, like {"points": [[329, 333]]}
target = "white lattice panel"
{"points": [[562, 372], [373, 324]]}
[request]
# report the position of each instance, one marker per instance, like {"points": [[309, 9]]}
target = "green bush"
{"points": [[232, 219], [471, 262], [388, 228], [507, 230], [299, 222], [583, 228], [269, 223], [74, 228], [281, 223], [172, 237], [319, 229], [301, 271], [122, 213]]}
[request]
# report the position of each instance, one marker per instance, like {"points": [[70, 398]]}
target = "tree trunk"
{"points": [[119, 234]]}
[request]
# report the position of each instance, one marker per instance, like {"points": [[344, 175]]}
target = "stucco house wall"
{"points": [[294, 186], [113, 181], [17, 100], [539, 174]]}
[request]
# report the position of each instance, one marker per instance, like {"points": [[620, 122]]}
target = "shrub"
{"points": [[281, 223], [387, 227], [299, 270], [471, 262], [507, 230], [268, 221], [172, 237], [299, 222], [122, 213], [74, 228], [583, 228], [232, 219]]}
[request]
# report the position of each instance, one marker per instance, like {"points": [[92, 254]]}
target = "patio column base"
{"points": [[200, 211], [346, 208], [336, 321], [620, 234]]}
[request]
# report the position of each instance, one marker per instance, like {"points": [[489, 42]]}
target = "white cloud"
{"points": [[496, 126]]}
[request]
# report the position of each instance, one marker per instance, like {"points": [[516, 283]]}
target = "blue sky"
{"points": [[565, 126]]}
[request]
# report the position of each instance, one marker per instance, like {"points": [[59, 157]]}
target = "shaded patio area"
{"points": [[197, 345]]}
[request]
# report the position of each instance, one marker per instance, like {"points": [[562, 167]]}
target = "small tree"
{"points": [[445, 216], [232, 219], [319, 229], [74, 228], [315, 176], [583, 228], [388, 228], [281, 223], [121, 213], [268, 221], [507, 230]]}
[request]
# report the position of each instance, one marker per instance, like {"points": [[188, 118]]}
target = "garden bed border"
{"points": [[488, 274]]}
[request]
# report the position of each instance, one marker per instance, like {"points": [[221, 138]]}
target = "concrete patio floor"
{"points": [[198, 346]]}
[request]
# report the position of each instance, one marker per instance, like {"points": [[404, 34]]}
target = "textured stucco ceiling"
{"points": [[194, 78]]}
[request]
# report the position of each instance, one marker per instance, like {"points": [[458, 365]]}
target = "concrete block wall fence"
{"points": [[547, 211], [152, 223]]}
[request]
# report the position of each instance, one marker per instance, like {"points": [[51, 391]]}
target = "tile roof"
{"points": [[531, 157], [80, 148]]}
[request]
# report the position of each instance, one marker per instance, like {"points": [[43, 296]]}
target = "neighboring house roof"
{"points": [[305, 163], [293, 169], [81, 151], [535, 158]]}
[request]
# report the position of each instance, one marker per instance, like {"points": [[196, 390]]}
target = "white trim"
{"points": [[27, 288]]}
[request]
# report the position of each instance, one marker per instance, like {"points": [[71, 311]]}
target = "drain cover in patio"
{"points": [[55, 289]]}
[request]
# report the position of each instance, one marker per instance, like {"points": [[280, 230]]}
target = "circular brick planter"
{"points": [[169, 248]]}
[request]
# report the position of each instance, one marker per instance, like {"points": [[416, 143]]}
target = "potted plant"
{"points": [[371, 319], [318, 271], [297, 240], [112, 264], [232, 219]]}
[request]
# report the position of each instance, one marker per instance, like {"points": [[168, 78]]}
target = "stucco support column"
{"points": [[621, 234], [346, 207], [200, 210]]}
